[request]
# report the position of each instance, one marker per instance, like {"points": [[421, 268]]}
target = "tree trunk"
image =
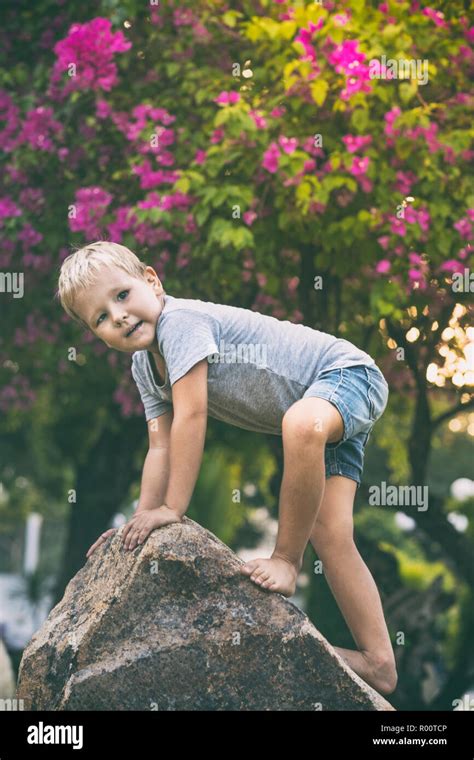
{"points": [[102, 484]]}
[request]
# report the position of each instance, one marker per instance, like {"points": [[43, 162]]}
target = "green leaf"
{"points": [[156, 214], [443, 242], [201, 215], [319, 90], [360, 119], [230, 18], [222, 116], [408, 90], [172, 68], [391, 31]]}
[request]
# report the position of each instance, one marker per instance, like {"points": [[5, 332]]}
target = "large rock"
{"points": [[174, 625]]}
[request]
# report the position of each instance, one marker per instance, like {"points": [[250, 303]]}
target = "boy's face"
{"points": [[116, 303]]}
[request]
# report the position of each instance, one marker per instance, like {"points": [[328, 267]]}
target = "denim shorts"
{"points": [[360, 394]]}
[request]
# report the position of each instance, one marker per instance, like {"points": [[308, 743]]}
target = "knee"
{"points": [[306, 429]]}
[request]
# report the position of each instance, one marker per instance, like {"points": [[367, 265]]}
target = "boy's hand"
{"points": [[100, 541], [141, 524]]}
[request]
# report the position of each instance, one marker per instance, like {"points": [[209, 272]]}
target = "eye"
{"points": [[102, 315]]}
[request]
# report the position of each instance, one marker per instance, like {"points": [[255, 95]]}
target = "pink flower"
{"points": [[183, 17], [383, 266], [345, 56], [397, 226], [102, 109], [29, 236], [90, 47], [390, 118], [357, 82], [452, 266], [271, 158], [249, 217], [8, 209], [150, 179], [38, 128], [155, 17], [275, 113], [124, 221], [9, 113], [464, 227], [227, 98], [190, 225], [315, 207], [436, 16], [354, 142], [259, 119], [405, 181], [217, 135], [15, 174], [348, 60], [365, 183], [359, 165], [384, 241], [309, 146], [341, 19], [90, 205], [464, 252], [145, 110], [292, 284], [305, 38], [288, 144], [423, 219], [200, 156], [415, 258]]}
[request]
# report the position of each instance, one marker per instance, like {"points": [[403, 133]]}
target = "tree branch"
{"points": [[452, 412]]}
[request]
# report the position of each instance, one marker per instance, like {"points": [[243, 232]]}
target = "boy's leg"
{"points": [[307, 426], [353, 586]]}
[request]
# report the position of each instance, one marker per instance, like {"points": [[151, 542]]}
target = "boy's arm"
{"points": [[156, 466], [187, 437], [177, 464]]}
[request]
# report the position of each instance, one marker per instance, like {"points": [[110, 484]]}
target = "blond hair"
{"points": [[81, 269]]}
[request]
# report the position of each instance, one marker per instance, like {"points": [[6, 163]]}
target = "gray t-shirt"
{"points": [[258, 365]]}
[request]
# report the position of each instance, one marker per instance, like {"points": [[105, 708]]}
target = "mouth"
{"points": [[134, 328]]}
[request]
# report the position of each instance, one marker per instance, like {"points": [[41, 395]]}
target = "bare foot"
{"points": [[378, 671], [274, 574]]}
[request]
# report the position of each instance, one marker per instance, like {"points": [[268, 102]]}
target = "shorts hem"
{"points": [[341, 408], [346, 471]]}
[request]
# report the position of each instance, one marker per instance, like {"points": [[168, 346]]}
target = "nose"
{"points": [[118, 316]]}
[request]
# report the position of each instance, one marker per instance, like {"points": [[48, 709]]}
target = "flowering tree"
{"points": [[275, 155]]}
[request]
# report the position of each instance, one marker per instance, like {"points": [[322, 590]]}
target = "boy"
{"points": [[192, 358]]}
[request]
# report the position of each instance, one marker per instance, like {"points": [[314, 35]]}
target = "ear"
{"points": [[151, 276]]}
